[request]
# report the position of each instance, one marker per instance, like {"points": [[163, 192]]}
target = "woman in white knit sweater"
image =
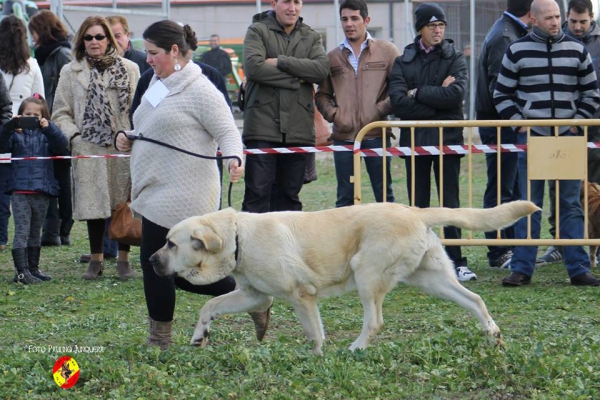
{"points": [[169, 186]]}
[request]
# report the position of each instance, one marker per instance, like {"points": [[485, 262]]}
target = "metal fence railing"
{"points": [[549, 158]]}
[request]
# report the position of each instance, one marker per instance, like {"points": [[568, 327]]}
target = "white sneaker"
{"points": [[464, 274]]}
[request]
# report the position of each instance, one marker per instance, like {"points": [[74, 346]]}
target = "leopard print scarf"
{"points": [[98, 117]]}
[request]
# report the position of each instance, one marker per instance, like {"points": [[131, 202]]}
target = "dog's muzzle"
{"points": [[158, 267]]}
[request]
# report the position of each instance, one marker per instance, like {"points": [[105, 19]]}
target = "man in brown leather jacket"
{"points": [[356, 94]]}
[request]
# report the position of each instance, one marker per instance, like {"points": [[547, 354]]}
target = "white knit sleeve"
{"points": [[217, 120]]}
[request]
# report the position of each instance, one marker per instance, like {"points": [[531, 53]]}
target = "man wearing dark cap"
{"points": [[428, 82]]}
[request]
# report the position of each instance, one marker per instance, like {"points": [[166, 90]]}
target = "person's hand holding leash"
{"points": [[121, 142], [235, 171]]}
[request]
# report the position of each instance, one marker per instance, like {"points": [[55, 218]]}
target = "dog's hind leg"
{"points": [[246, 300], [436, 276], [308, 313]]}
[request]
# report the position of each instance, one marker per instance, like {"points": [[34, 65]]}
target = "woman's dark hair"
{"points": [[164, 34], [35, 99], [48, 28], [14, 50]]}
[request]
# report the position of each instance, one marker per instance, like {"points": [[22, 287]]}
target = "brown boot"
{"points": [[124, 270], [261, 322], [94, 270], [160, 334]]}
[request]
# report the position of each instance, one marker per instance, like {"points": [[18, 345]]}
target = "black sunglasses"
{"points": [[88, 38]]}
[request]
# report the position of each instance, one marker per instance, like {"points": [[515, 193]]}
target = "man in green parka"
{"points": [[283, 58]]}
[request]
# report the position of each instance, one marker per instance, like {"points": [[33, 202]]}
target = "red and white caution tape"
{"points": [[391, 151]]}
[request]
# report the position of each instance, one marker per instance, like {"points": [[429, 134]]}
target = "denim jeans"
{"points": [[509, 184], [571, 222], [109, 246], [5, 175], [344, 168]]}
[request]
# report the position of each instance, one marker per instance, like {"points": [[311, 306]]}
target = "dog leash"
{"points": [[158, 142]]}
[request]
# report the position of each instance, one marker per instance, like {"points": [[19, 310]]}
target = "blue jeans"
{"points": [[5, 175], [109, 246], [344, 168], [571, 223], [509, 183]]}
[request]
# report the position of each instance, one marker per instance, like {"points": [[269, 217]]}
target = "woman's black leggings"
{"points": [[96, 229], [160, 292]]}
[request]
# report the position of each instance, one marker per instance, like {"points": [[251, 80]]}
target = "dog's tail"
{"points": [[477, 219]]}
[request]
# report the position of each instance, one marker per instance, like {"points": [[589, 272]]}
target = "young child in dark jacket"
{"points": [[33, 183]]}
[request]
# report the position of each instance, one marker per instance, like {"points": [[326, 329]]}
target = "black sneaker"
{"points": [[503, 261], [551, 256], [516, 279], [585, 279]]}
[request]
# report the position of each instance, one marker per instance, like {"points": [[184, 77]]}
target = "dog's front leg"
{"points": [[240, 300], [310, 318]]}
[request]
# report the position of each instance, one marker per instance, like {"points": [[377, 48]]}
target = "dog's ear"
{"points": [[206, 239]]}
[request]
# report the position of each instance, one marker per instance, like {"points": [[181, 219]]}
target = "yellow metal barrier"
{"points": [[549, 158]]}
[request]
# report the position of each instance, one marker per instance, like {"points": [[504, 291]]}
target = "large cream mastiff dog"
{"points": [[303, 256]]}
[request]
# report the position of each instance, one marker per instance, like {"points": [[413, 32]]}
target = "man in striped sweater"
{"points": [[548, 75]]}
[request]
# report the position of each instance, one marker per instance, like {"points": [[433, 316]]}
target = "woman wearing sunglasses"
{"points": [[91, 105]]}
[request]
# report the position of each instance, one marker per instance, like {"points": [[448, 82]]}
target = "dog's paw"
{"points": [[317, 352], [496, 338], [201, 340]]}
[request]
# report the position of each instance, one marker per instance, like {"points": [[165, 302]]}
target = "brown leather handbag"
{"points": [[124, 228]]}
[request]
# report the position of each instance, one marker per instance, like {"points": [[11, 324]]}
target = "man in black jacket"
{"points": [[513, 25], [217, 57], [428, 83]]}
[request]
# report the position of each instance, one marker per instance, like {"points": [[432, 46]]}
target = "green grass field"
{"points": [[428, 348]]}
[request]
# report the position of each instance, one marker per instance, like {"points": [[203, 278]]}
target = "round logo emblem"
{"points": [[65, 372]]}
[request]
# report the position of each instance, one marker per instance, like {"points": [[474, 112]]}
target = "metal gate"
{"points": [[543, 164]]}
